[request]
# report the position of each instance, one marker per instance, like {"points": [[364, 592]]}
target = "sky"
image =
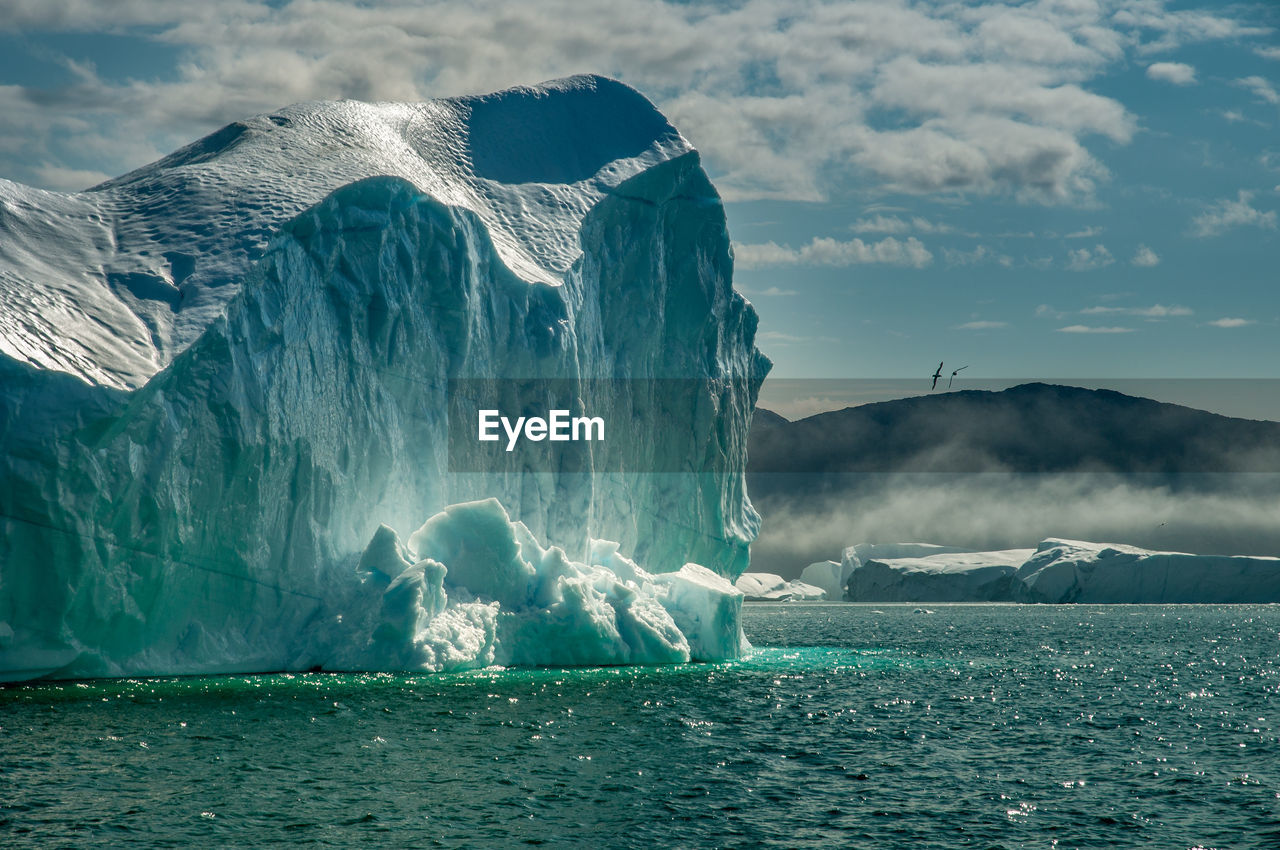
{"points": [[1058, 189]]}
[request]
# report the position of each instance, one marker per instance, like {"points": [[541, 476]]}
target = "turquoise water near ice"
{"points": [[851, 725]]}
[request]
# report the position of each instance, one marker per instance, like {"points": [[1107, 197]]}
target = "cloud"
{"points": [[1086, 233], [824, 251], [1159, 311], [1261, 88], [69, 179], [778, 336], [1231, 323], [1145, 258], [980, 326], [788, 101], [1084, 259], [977, 256], [1226, 214], [893, 224], [1155, 311], [1086, 329], [1172, 72], [775, 291], [1046, 311], [1163, 29], [1268, 52]]}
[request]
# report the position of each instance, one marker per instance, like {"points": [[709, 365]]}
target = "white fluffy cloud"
{"points": [[978, 255], [1261, 87], [824, 251], [1226, 214], [1145, 258], [1155, 311], [1231, 322], [1089, 329], [1172, 72], [1088, 259], [880, 223], [794, 101]]}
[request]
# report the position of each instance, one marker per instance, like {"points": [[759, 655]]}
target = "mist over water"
{"points": [[811, 518]]}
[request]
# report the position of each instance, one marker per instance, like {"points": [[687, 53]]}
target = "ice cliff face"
{"points": [[939, 577], [221, 375]]}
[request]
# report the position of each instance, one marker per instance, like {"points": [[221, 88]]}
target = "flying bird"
{"points": [[953, 375], [936, 376]]}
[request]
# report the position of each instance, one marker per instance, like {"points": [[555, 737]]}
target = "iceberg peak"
{"points": [[151, 258]]}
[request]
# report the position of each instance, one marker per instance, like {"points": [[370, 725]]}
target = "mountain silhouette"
{"points": [[1030, 428]]}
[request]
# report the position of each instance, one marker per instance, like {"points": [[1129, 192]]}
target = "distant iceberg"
{"points": [[949, 577], [1078, 571], [767, 587], [1065, 571], [221, 376], [828, 576]]}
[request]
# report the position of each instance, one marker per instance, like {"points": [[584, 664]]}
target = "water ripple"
{"points": [[979, 726]]}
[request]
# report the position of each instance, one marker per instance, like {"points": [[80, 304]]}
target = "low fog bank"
{"points": [[1210, 515]]}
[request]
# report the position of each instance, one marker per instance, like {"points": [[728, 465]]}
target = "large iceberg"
{"points": [[225, 380]]}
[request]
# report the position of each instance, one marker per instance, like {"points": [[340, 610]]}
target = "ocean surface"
{"points": [[889, 726]]}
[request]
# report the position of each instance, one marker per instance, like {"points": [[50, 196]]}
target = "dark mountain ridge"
{"points": [[1030, 428]]}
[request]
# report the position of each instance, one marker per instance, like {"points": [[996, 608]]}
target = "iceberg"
{"points": [[1063, 571], [1060, 571], [939, 577], [830, 577], [767, 587], [226, 382]]}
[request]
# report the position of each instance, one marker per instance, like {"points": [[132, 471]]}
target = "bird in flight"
{"points": [[953, 375], [936, 376]]}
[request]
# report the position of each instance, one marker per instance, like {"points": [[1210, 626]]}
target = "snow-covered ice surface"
{"points": [[767, 587], [144, 263], [221, 375], [853, 557], [1066, 571]]}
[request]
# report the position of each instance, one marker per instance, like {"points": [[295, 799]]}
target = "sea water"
{"points": [[850, 725]]}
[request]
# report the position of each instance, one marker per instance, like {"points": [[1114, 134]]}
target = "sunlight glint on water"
{"points": [[945, 726]]}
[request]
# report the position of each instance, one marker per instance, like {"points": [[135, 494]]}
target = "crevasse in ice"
{"points": [[224, 380]]}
